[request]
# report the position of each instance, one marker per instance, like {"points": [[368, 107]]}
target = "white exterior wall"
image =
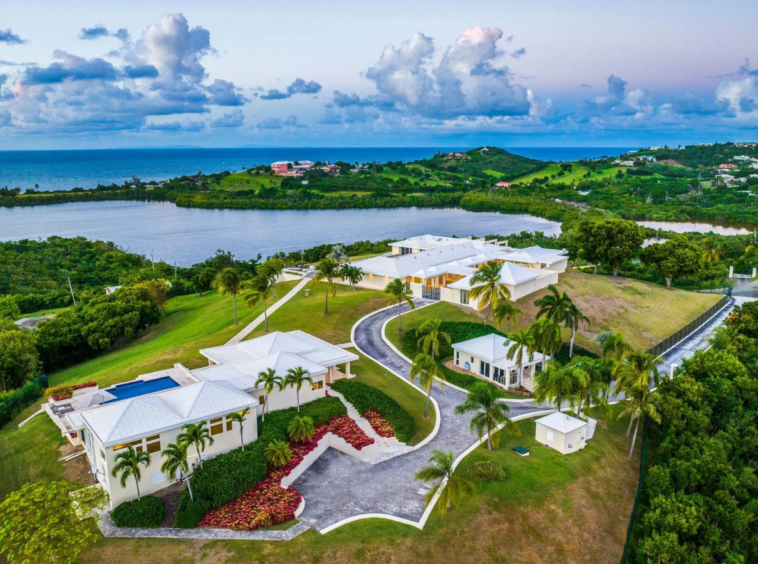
{"points": [[282, 399], [374, 282], [561, 441], [558, 266]]}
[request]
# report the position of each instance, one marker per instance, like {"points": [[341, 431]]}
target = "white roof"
{"points": [[535, 254], [141, 416], [493, 348], [426, 242], [561, 422], [511, 275]]}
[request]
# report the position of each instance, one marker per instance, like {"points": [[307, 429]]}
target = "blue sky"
{"points": [[337, 73]]}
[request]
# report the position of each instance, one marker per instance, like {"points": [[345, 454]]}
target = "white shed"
{"points": [[562, 432]]}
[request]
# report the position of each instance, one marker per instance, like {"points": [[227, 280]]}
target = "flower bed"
{"points": [[382, 427], [63, 391], [343, 426]]}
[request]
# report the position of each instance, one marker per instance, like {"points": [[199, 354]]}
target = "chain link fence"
{"points": [[690, 328]]}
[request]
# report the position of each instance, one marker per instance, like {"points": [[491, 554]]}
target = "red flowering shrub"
{"points": [[343, 426], [382, 427], [84, 385]]}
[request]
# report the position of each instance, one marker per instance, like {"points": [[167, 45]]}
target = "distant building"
{"points": [[291, 168], [728, 165], [503, 184], [650, 158], [110, 289], [280, 167]]}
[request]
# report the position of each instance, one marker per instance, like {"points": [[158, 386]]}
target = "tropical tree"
{"points": [[725, 337], [239, 417], [426, 369], [520, 345], [270, 380], [593, 390], [353, 274], [327, 269], [548, 338], [175, 455], [641, 401], [615, 347], [128, 465], [397, 293], [487, 287], [301, 429], [296, 377], [637, 368], [554, 305], [675, 258], [262, 287], [278, 453], [617, 241], [338, 254], [451, 486], [431, 339], [574, 318], [198, 435], [484, 399], [229, 281], [506, 311], [710, 251], [557, 384]]}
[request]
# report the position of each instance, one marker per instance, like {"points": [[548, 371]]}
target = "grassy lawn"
{"points": [[244, 181], [550, 509], [307, 312], [441, 310], [42, 313], [410, 399]]}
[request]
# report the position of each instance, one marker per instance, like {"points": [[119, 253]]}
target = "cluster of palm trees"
{"points": [[425, 366], [262, 286], [271, 381], [334, 266]]}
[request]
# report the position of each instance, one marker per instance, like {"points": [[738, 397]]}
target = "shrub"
{"points": [[458, 331], [90, 384], [486, 470], [190, 513], [366, 398], [145, 512], [60, 392]]}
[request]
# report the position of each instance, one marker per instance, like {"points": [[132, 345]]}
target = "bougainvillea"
{"points": [[382, 427]]}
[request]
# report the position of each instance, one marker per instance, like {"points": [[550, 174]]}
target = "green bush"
{"points": [[365, 397], [190, 513], [145, 512]]}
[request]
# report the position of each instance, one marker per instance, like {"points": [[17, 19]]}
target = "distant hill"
{"points": [[484, 162]]}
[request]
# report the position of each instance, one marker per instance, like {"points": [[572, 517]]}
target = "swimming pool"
{"points": [[140, 388]]}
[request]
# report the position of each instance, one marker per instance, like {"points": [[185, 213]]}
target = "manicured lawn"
{"points": [[307, 312], [441, 310], [409, 398], [42, 313]]}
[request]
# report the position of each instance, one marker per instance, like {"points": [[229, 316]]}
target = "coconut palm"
{"points": [[431, 339], [574, 317], [239, 417], [128, 465], [724, 337], [327, 269], [554, 305], [520, 345], [229, 281], [487, 287], [484, 399], [710, 251], [198, 435], [591, 391], [615, 347], [398, 293], [637, 368], [451, 486], [175, 455], [278, 453], [301, 429], [353, 274], [548, 338], [270, 380], [641, 401], [262, 287], [296, 377], [426, 369], [557, 384], [338, 254], [506, 311]]}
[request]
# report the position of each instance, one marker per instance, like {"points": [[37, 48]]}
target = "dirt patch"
{"points": [[79, 470], [170, 497], [671, 162]]}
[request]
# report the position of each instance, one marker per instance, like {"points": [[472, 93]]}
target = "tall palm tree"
{"points": [[239, 417], [270, 380], [452, 486], [278, 453], [262, 287], [296, 377], [229, 281], [557, 384], [337, 254], [641, 401], [520, 345], [431, 339], [548, 338], [637, 368], [128, 465], [426, 369], [490, 412], [574, 317], [198, 435], [594, 389], [506, 311], [488, 288], [175, 455], [327, 269], [353, 274], [615, 347], [554, 305], [397, 293]]}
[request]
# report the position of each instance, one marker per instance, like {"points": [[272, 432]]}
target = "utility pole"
{"points": [[153, 262], [72, 289], [174, 272]]}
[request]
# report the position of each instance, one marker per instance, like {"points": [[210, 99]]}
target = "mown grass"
{"points": [[244, 181]]}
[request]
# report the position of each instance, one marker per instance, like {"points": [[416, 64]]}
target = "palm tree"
{"points": [[300, 429], [640, 401], [594, 389], [239, 417], [196, 434], [547, 337], [487, 287], [128, 464], [431, 339], [710, 251], [176, 461], [637, 368], [337, 254], [520, 345], [554, 305], [426, 369], [262, 286], [615, 347], [270, 380], [452, 486], [352, 274], [491, 412], [557, 384], [506, 310], [229, 281], [574, 317], [327, 269], [397, 293], [295, 377], [278, 453], [724, 337]]}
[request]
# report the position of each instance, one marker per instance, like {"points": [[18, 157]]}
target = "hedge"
{"points": [[16, 400], [145, 512], [365, 397], [227, 476]]}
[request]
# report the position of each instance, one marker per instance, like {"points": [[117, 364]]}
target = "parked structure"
{"points": [[562, 432]]}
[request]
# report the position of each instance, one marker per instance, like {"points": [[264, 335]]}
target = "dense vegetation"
{"points": [[147, 511]]}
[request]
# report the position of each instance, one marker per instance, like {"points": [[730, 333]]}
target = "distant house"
{"points": [[728, 166], [503, 184], [649, 158], [280, 167], [451, 156], [562, 432], [110, 289]]}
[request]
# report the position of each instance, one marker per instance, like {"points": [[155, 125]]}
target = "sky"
{"points": [[334, 73]]}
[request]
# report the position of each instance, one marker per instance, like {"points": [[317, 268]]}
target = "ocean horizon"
{"points": [[67, 169]]}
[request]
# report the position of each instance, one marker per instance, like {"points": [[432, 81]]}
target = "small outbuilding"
{"points": [[562, 432]]}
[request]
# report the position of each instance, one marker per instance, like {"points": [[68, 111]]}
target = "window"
{"points": [[153, 443], [484, 368], [550, 436], [464, 296], [228, 424], [457, 357], [136, 444], [405, 251], [216, 426], [319, 385], [102, 454], [261, 399], [514, 377]]}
